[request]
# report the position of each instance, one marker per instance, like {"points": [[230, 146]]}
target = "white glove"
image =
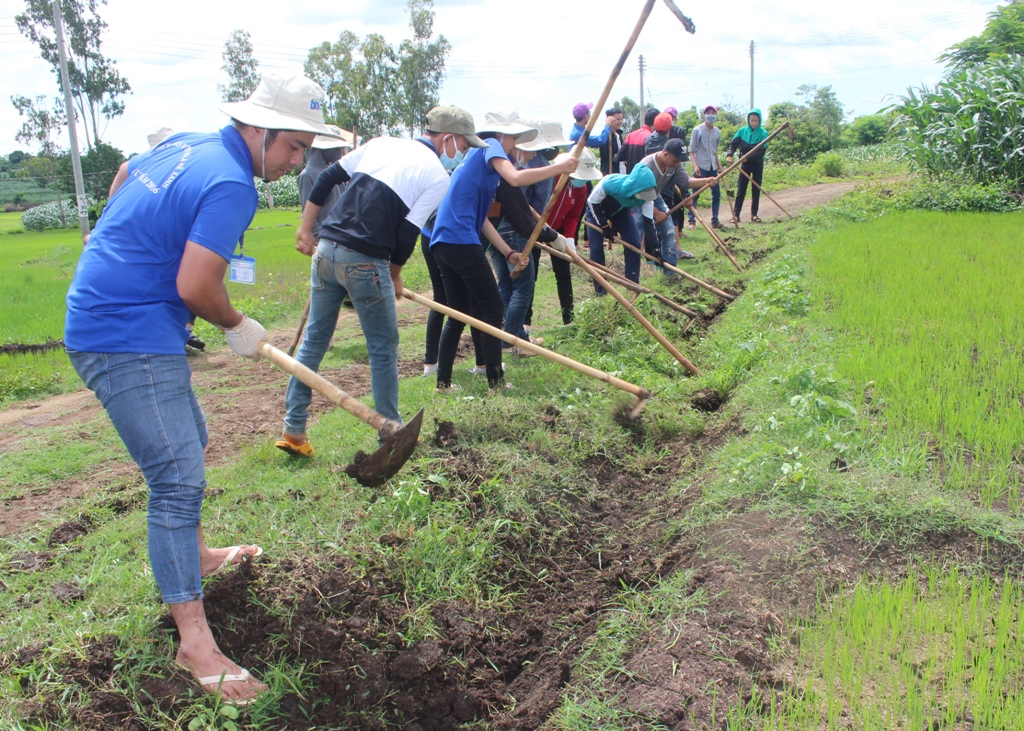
{"points": [[571, 245], [558, 244], [245, 336]]}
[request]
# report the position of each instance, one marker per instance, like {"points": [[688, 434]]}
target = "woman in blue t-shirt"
{"points": [[469, 283]]}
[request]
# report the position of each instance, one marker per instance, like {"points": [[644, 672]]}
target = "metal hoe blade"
{"points": [[372, 470]]}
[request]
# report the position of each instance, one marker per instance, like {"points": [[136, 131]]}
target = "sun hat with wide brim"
{"points": [[523, 131], [343, 139], [586, 168], [550, 136], [294, 104], [159, 136]]}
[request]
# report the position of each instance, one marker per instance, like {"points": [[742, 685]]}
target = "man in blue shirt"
{"points": [[160, 250], [581, 114]]}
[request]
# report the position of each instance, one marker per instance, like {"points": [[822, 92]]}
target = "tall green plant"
{"points": [[971, 124]]}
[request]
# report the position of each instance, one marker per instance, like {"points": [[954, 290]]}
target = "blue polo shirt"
{"points": [[463, 211], [191, 187]]}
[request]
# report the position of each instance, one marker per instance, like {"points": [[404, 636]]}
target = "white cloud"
{"points": [[537, 56]]}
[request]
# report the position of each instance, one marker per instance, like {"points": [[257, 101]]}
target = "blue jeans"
{"points": [[666, 235], [150, 400], [624, 225], [337, 272], [716, 195], [516, 294]]}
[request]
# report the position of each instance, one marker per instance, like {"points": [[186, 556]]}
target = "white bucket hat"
{"points": [[550, 136], [343, 139], [159, 136], [586, 168], [294, 104], [509, 123]]}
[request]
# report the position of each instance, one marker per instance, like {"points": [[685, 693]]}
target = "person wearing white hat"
{"points": [[324, 151], [393, 185], [161, 249], [468, 280]]}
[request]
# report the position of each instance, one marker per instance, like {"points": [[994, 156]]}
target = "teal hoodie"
{"points": [[752, 136], [623, 188]]}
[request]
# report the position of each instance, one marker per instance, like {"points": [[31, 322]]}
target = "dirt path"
{"points": [[243, 401], [792, 199]]}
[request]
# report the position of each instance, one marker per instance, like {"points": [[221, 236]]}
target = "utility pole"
{"points": [[642, 109], [69, 109], [751, 74]]}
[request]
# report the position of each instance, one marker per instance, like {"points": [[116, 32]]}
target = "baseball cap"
{"points": [[674, 147], [712, 107], [663, 122], [673, 111], [453, 121], [294, 103], [580, 110]]}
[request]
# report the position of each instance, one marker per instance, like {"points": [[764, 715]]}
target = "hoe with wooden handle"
{"points": [[398, 442]]}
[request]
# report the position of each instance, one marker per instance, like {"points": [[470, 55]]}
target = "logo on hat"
{"points": [[314, 104]]}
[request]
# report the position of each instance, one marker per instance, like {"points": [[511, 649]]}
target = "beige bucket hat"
{"points": [[509, 123], [159, 136], [550, 135], [342, 140], [587, 167], [294, 103]]}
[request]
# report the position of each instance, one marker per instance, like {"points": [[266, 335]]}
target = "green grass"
{"points": [[10, 223], [929, 309], [29, 191], [939, 649]]}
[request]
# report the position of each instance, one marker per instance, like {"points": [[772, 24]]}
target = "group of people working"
{"points": [[178, 215]]}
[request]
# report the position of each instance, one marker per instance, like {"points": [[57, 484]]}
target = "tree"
{"points": [[18, 156], [241, 66], [332, 65], [421, 66], [869, 129], [817, 124], [41, 124], [96, 84], [1003, 36], [99, 167]]}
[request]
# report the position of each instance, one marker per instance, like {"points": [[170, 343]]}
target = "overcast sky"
{"points": [[537, 56]]}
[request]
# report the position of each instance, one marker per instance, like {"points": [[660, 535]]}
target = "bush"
{"points": [[48, 216], [285, 192], [956, 195], [831, 165]]}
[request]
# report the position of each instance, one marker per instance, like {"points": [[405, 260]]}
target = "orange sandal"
{"points": [[289, 444]]}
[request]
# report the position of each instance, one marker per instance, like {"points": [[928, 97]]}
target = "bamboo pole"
{"points": [[302, 326], [785, 126], [684, 274], [577, 150], [619, 279], [718, 240], [744, 172], [639, 391]]}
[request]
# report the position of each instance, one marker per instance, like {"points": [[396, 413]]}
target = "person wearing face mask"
{"points": [[746, 139], [469, 283], [565, 219], [704, 141], [393, 187], [610, 207]]}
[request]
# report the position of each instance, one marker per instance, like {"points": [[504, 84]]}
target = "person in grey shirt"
{"points": [[704, 142], [324, 152]]}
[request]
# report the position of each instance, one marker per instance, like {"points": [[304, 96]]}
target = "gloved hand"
{"points": [[559, 243], [245, 336]]}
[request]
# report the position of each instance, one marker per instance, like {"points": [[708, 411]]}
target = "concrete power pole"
{"points": [[76, 161], [751, 74], [642, 109]]}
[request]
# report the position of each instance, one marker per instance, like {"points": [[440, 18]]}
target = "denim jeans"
{"points": [[623, 224], [716, 195], [335, 273], [150, 401], [516, 294], [666, 235]]}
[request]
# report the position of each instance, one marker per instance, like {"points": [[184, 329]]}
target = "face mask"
{"points": [[577, 183], [450, 163], [711, 118]]}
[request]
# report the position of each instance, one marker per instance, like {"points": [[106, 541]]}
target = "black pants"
{"points": [[563, 281], [435, 320], [755, 169], [469, 287]]}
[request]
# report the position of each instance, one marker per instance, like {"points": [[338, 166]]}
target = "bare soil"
{"points": [[508, 669]]}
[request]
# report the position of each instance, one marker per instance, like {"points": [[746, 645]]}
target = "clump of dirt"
{"points": [[67, 593], [30, 562], [69, 532], [24, 349], [446, 435], [707, 400]]}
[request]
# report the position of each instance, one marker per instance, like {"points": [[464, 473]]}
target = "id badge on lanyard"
{"points": [[243, 268]]}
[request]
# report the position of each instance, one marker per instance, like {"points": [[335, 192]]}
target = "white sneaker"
{"points": [[482, 370], [429, 369]]}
